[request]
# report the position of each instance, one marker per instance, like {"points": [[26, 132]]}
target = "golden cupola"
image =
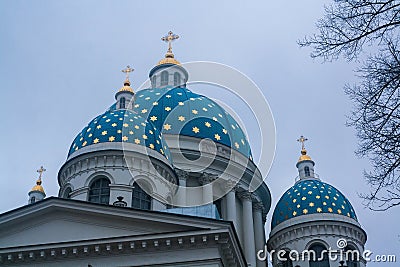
{"points": [[37, 193], [169, 56]]}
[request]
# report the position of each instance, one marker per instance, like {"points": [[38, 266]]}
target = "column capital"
{"points": [[182, 174], [231, 185], [245, 195], [258, 206], [207, 178]]}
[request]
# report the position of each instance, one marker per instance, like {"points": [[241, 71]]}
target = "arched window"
{"points": [[32, 200], [164, 78], [153, 81], [67, 193], [352, 255], [140, 199], [99, 191], [122, 102], [177, 79], [307, 171], [320, 257], [286, 262]]}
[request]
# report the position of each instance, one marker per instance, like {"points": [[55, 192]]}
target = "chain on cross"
{"points": [[169, 38], [302, 140]]}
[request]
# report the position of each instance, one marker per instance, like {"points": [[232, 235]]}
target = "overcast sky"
{"points": [[60, 67]]}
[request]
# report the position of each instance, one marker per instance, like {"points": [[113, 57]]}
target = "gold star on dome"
{"points": [[216, 136], [137, 105], [181, 118], [319, 210], [119, 131], [318, 197], [224, 131], [324, 203], [192, 98], [327, 197], [144, 137], [147, 98], [155, 103], [303, 198], [333, 204], [90, 135], [214, 119], [98, 126], [111, 138], [310, 192], [130, 132], [108, 120], [114, 124], [194, 111], [233, 127], [167, 127], [162, 151], [84, 143], [205, 109], [95, 141], [195, 130], [311, 204], [167, 108], [330, 210], [153, 118], [168, 96], [144, 110], [298, 206], [124, 138], [125, 125], [103, 132], [150, 131], [305, 211], [237, 145], [294, 213], [207, 124], [151, 146], [348, 214], [343, 207], [143, 124], [339, 211], [181, 103], [241, 140], [294, 200], [137, 141]]}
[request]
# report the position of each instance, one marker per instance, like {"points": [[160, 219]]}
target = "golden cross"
{"points": [[168, 39], [302, 140], [41, 171], [127, 71]]}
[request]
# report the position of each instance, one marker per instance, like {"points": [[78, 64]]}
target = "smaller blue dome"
{"points": [[120, 126], [311, 196]]}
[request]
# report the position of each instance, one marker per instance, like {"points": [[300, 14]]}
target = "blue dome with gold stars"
{"points": [[120, 126], [311, 196], [179, 111]]}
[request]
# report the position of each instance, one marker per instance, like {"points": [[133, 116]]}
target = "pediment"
{"points": [[58, 220]]}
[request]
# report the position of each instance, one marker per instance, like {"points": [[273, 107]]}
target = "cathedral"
{"points": [[162, 178]]}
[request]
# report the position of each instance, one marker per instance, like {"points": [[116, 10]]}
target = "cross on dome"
{"points": [[169, 38], [127, 70], [302, 140], [41, 171]]}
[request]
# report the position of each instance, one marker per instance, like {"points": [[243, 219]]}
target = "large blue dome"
{"points": [[120, 126], [179, 111], [311, 196]]}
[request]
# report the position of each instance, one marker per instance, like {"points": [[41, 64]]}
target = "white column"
{"points": [[181, 194], [259, 232], [231, 203], [206, 181], [248, 229]]}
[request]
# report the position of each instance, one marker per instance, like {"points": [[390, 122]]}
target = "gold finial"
{"points": [[304, 155], [302, 140], [169, 38], [38, 186], [127, 84], [41, 171]]}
